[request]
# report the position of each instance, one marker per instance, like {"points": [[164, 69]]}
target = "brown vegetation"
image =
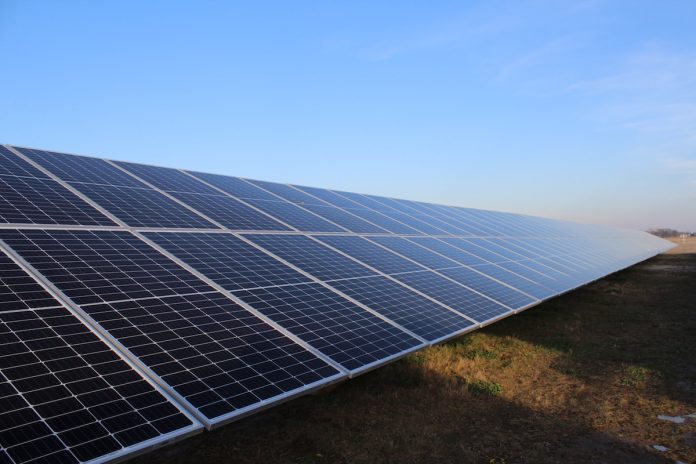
{"points": [[581, 378]]}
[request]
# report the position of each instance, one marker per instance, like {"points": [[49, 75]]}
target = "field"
{"points": [[581, 378]]}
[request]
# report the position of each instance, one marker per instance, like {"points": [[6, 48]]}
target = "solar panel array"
{"points": [[140, 304]]}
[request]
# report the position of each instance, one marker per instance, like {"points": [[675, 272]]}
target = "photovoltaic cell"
{"points": [[384, 222], [167, 179], [492, 288], [457, 297], [330, 323], [26, 200], [403, 306], [211, 351], [142, 207], [415, 252], [229, 212], [310, 256], [235, 186], [367, 252], [294, 216], [65, 396], [227, 260], [72, 168], [13, 165]]}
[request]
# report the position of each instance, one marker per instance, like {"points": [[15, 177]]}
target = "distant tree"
{"points": [[665, 232]]}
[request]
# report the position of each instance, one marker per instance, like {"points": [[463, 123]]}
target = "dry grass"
{"points": [[683, 246], [581, 378]]}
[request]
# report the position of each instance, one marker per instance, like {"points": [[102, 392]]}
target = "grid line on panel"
{"points": [[337, 327], [310, 256], [409, 309], [458, 297]]}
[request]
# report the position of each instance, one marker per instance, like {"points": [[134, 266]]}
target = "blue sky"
{"points": [[583, 110]]}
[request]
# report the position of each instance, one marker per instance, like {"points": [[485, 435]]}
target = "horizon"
{"points": [[577, 111]]}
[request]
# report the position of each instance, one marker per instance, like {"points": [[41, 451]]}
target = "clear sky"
{"points": [[583, 110]]}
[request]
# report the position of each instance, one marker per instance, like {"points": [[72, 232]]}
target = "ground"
{"points": [[580, 378]]}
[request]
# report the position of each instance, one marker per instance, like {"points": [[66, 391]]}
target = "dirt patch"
{"points": [[581, 378]]}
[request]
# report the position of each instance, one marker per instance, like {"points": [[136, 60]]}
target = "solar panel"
{"points": [[71, 168], [471, 248], [449, 251], [229, 212], [345, 332], [384, 222], [487, 286], [288, 193], [13, 165], [27, 200], [235, 186], [415, 252], [310, 256], [457, 297], [142, 207], [544, 275], [373, 255], [227, 260], [294, 216], [329, 197], [345, 219], [174, 323], [167, 179], [65, 396], [215, 354], [231, 295], [94, 267], [418, 314], [523, 282]]}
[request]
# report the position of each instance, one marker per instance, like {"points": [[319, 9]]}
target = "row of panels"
{"points": [[40, 187]]}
